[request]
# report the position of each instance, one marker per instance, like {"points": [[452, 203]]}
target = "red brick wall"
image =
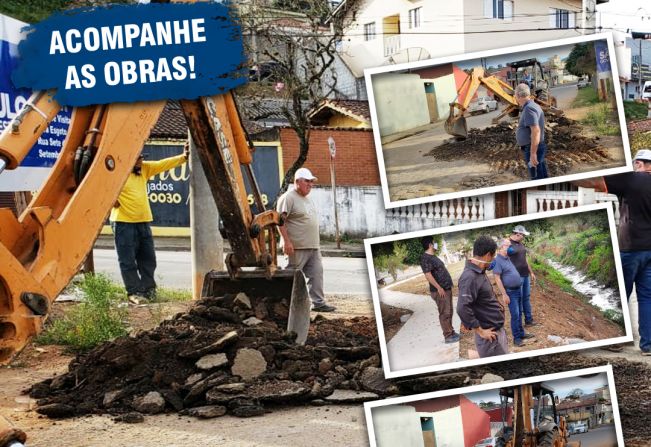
{"points": [[355, 162], [434, 72]]}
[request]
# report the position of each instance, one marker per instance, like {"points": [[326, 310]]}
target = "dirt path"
{"points": [[559, 314]]}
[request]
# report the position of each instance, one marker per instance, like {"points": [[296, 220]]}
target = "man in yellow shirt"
{"points": [[130, 219]]}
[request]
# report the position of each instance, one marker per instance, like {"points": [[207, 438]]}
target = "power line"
{"points": [[436, 33]]}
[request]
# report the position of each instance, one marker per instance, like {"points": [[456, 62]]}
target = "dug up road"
{"points": [[296, 425]]}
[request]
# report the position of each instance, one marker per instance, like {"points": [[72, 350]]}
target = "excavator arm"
{"points": [[456, 122], [43, 248]]}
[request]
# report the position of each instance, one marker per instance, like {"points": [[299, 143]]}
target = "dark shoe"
{"points": [[324, 308], [452, 338], [646, 353], [526, 336], [150, 294], [519, 343], [532, 323]]}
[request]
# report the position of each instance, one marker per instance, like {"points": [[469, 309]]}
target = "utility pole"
{"points": [[207, 243], [639, 71], [333, 180]]}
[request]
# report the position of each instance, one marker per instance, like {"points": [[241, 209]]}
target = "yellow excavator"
{"points": [[456, 122], [43, 248], [535, 421]]}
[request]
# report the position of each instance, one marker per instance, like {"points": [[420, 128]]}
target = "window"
{"points": [[369, 31], [561, 18], [414, 18], [498, 9]]}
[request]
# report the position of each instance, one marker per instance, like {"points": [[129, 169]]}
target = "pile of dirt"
{"points": [[220, 358], [225, 355], [639, 126], [495, 145], [393, 319]]}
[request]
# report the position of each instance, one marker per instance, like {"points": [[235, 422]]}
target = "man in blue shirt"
{"points": [[530, 134], [507, 279]]}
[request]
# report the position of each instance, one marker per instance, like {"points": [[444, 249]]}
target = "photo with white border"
{"points": [[410, 102], [415, 344], [487, 414]]}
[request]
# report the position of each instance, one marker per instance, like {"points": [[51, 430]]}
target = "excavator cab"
{"points": [[43, 248], [534, 420], [539, 81]]}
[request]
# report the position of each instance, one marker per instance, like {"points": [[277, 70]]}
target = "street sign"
{"points": [[332, 147]]}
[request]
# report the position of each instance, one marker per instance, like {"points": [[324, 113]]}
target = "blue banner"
{"points": [[603, 56], [46, 151], [128, 53]]}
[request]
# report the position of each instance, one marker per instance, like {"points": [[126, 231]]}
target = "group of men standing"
{"points": [[480, 309]]}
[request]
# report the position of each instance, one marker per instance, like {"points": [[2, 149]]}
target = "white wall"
{"points": [[527, 15], [440, 29], [445, 89], [362, 213], [448, 428], [400, 102], [397, 425], [443, 24]]}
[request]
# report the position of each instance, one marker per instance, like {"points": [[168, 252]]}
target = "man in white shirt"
{"points": [[300, 234]]}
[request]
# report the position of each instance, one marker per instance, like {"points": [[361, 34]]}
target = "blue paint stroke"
{"points": [[217, 65]]}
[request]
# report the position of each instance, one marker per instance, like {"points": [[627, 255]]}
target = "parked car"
{"points": [[487, 442], [484, 104], [580, 427], [582, 83], [646, 91]]}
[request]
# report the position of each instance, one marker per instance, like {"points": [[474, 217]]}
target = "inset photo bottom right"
{"points": [[571, 409]]}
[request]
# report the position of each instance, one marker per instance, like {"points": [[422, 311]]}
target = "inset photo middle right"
{"points": [[498, 290]]}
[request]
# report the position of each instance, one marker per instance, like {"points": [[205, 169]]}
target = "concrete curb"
{"points": [[183, 244]]}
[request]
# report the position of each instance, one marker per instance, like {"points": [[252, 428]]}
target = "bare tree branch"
{"points": [[300, 51]]}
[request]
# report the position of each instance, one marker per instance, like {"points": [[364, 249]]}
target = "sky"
{"points": [[624, 15], [562, 387]]}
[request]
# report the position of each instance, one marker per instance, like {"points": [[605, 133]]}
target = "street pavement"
{"points": [[410, 174], [343, 276], [420, 342], [603, 436]]}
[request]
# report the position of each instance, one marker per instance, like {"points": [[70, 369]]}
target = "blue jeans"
{"points": [[136, 256], [525, 302], [514, 309], [636, 266], [540, 171]]}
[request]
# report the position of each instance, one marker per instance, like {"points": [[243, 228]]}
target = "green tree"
{"points": [[582, 60]]}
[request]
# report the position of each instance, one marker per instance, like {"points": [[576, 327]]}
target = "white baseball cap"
{"points": [[520, 229], [643, 154], [303, 173]]}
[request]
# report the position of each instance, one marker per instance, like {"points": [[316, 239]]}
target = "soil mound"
{"points": [[495, 145], [224, 351]]}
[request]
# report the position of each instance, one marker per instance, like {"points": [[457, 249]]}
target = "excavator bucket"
{"points": [[457, 126], [285, 285]]}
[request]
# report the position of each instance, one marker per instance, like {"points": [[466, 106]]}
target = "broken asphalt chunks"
{"points": [[495, 146], [226, 355]]}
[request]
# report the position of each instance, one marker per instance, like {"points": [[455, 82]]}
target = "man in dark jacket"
{"points": [[478, 307]]}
